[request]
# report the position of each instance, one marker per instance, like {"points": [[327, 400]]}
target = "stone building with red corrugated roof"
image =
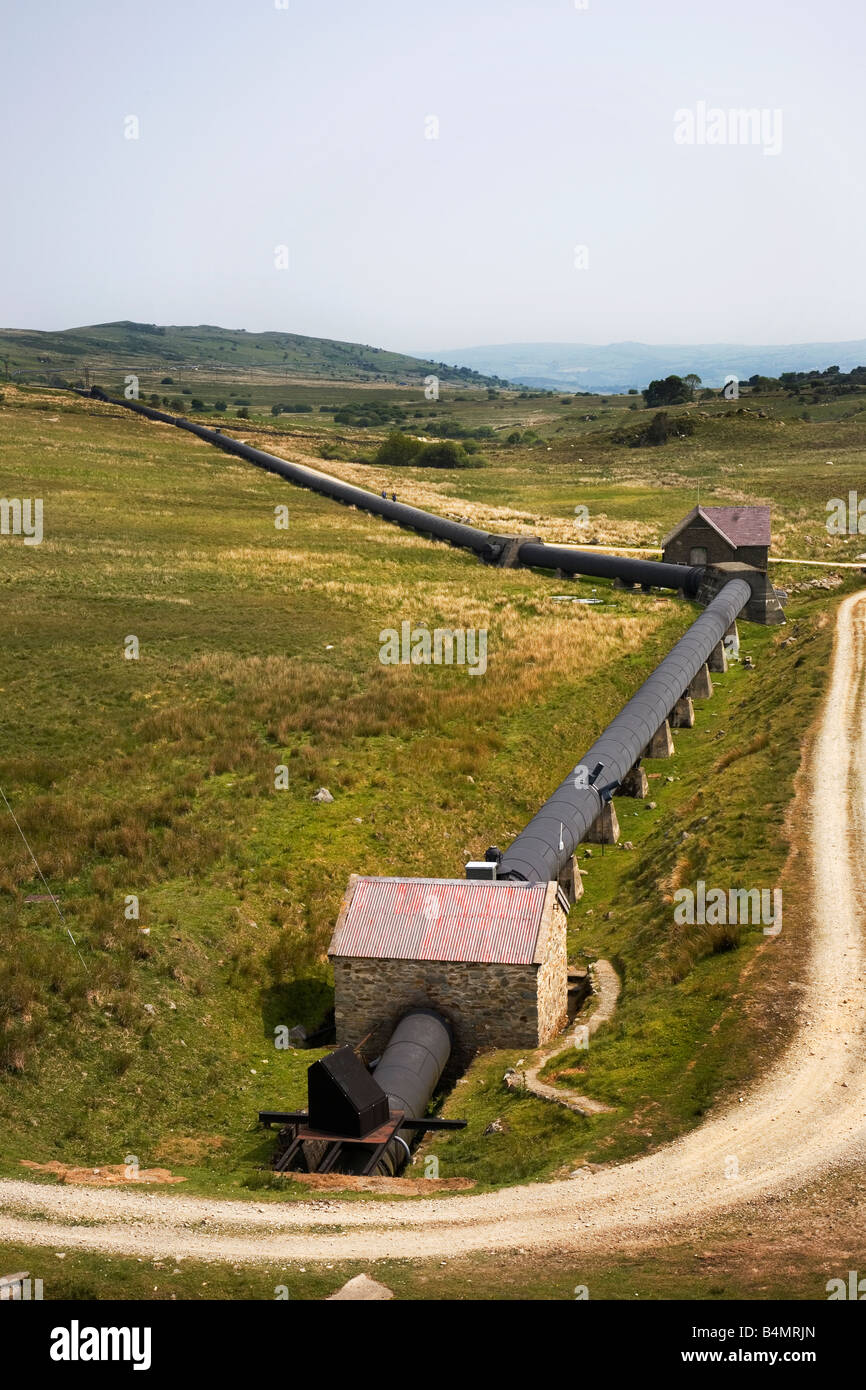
{"points": [[488, 957]]}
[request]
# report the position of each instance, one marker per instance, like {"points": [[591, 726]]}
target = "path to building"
{"points": [[605, 993], [803, 1118]]}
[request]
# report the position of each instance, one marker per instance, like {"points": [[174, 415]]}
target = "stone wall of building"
{"points": [[486, 1005], [552, 955]]}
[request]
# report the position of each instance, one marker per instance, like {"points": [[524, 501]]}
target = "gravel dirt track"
{"points": [[804, 1118]]}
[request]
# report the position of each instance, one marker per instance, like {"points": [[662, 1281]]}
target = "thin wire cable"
{"points": [[42, 876]]}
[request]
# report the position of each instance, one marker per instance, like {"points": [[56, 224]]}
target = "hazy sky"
{"points": [[306, 127]]}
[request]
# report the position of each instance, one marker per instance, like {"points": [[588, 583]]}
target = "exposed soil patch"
{"points": [[110, 1176], [401, 1187]]}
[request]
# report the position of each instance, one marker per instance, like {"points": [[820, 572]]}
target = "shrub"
{"points": [[659, 430], [398, 450], [443, 455], [365, 413], [446, 454], [243, 413]]}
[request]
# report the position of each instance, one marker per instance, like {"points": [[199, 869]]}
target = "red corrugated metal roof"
{"points": [[441, 919]]}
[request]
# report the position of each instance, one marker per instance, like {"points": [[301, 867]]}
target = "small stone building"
{"points": [[489, 957], [719, 535]]}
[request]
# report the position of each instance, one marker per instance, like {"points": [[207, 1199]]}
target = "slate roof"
{"points": [[739, 525]]}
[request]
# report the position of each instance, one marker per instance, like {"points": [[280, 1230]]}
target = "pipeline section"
{"points": [[649, 573], [487, 545], [544, 847], [408, 1072]]}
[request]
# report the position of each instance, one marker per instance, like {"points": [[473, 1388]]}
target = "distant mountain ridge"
{"points": [[624, 366], [67, 351]]}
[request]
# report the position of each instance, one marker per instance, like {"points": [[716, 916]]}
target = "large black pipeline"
{"points": [[487, 545], [408, 1072], [604, 566], [543, 848]]}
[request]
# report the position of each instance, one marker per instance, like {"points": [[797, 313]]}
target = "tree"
{"points": [[671, 391], [693, 381]]}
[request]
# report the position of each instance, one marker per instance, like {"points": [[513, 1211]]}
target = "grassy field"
{"points": [[258, 648], [671, 1274], [757, 450]]}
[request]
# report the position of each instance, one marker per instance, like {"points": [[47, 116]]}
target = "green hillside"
{"points": [[28, 354]]}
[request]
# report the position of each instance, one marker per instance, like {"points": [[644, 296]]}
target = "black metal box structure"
{"points": [[342, 1096]]}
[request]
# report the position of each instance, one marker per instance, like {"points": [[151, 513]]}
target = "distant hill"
{"points": [[621, 366], [65, 353]]}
